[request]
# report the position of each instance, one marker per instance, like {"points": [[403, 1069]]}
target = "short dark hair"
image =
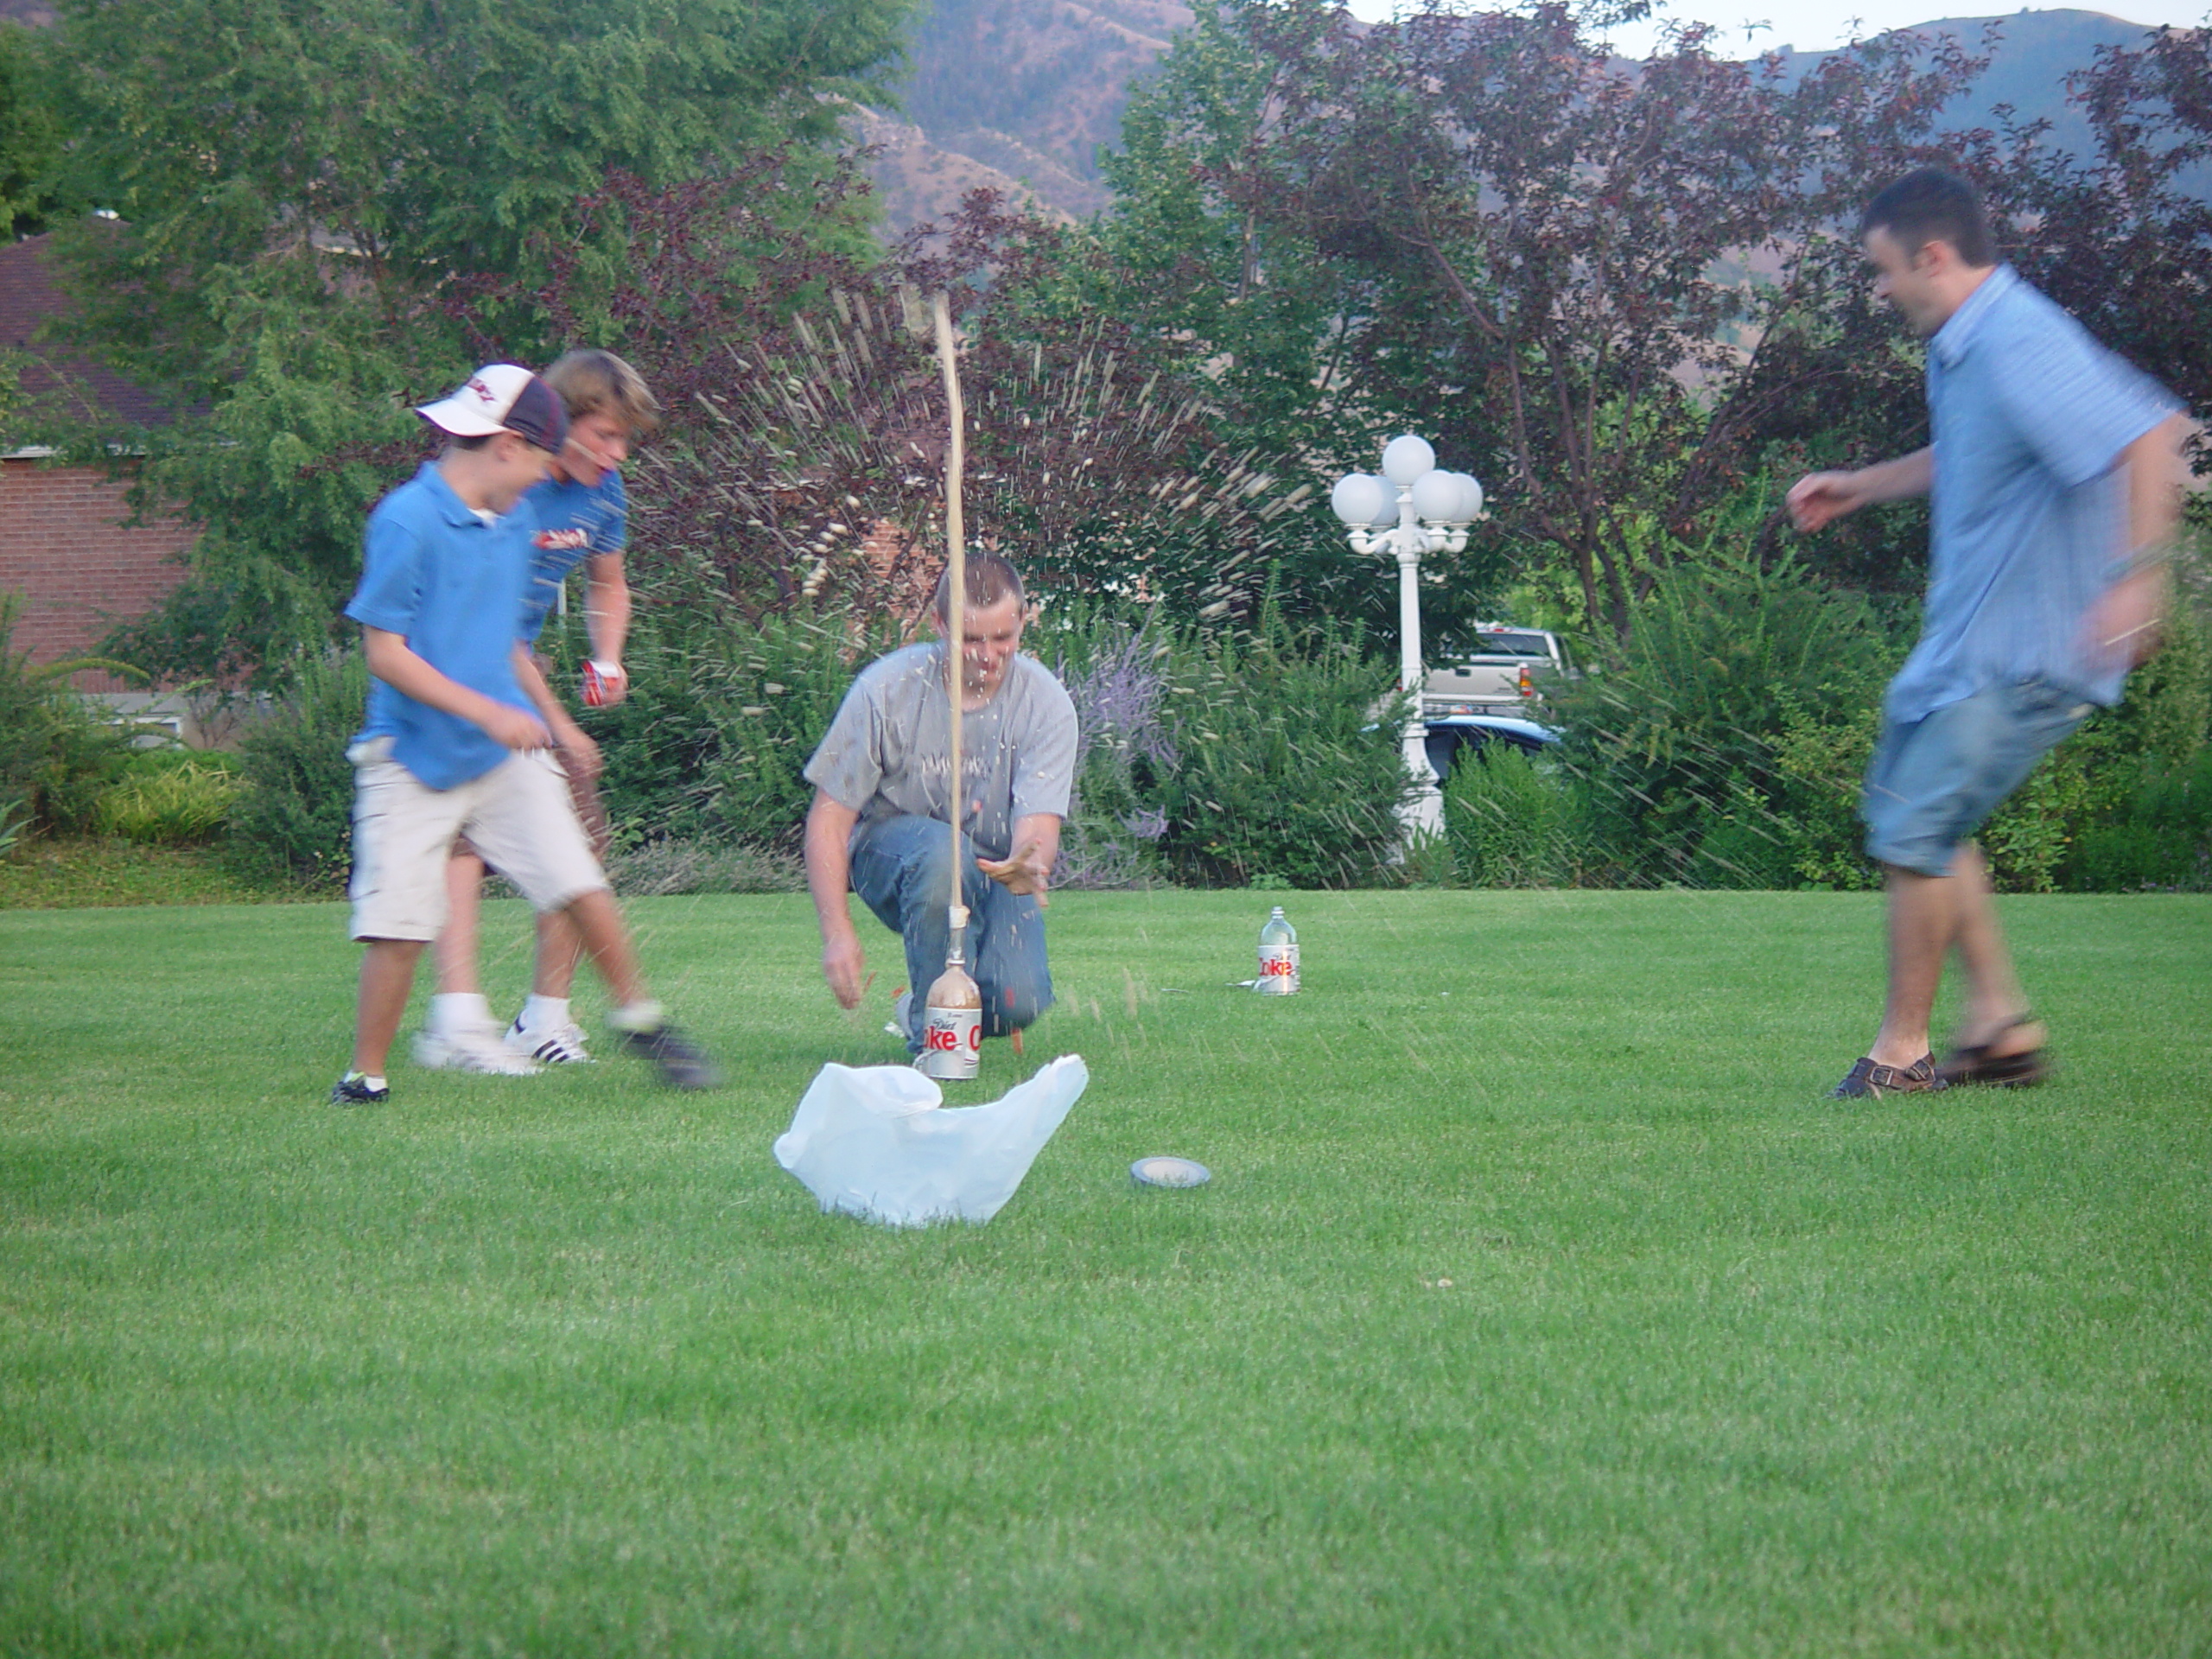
{"points": [[1933, 205], [988, 578]]}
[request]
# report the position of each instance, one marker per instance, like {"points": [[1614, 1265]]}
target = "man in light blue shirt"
{"points": [[2054, 470]]}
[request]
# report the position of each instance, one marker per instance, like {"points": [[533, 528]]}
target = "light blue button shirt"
{"points": [[2029, 516]]}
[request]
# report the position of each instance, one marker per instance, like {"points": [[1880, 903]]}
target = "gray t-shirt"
{"points": [[889, 750]]}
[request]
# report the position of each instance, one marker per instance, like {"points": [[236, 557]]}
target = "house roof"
{"points": [[29, 297]]}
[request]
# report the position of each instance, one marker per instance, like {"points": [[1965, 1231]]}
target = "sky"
{"points": [[1817, 25]]}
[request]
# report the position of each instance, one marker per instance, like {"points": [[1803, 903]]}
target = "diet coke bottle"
{"points": [[952, 1016], [1278, 957]]}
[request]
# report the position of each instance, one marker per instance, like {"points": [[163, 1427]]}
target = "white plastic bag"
{"points": [[877, 1142]]}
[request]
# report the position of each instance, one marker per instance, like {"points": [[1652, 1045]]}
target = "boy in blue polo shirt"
{"points": [[457, 736], [582, 515]]}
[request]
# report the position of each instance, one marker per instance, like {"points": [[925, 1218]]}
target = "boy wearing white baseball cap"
{"points": [[583, 514], [452, 742]]}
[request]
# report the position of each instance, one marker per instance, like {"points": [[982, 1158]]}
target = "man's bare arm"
{"points": [[829, 878], [1818, 499], [2124, 624], [394, 661]]}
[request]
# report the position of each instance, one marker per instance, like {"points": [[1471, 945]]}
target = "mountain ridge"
{"points": [[1024, 94]]}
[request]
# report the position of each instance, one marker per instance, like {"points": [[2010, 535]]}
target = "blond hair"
{"points": [[592, 382]]}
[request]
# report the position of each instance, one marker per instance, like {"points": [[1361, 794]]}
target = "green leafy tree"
{"points": [[30, 133], [304, 185]]}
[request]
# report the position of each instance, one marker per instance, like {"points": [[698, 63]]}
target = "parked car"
{"points": [[1487, 687], [1454, 737]]}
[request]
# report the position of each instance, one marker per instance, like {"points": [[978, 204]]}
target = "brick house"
{"points": [[76, 566]]}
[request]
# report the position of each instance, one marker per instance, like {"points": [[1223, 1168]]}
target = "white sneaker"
{"points": [[473, 1048], [549, 1045], [902, 1011]]}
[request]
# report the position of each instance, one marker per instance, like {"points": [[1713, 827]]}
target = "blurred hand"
{"points": [[844, 964], [1818, 499], [1027, 871], [576, 743], [2124, 626], [512, 729]]}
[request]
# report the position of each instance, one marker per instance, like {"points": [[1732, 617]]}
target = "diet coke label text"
{"points": [[952, 1039]]}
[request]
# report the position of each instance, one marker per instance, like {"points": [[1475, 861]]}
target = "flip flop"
{"points": [[1976, 1064]]}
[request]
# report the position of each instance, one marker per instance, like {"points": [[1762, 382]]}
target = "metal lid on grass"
{"points": [[1169, 1171]]}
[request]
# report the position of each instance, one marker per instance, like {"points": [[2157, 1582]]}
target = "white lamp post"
{"points": [[1411, 510]]}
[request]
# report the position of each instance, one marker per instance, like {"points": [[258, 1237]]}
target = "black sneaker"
{"points": [[682, 1064], [352, 1089]]}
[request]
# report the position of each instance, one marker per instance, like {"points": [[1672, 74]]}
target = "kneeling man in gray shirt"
{"points": [[883, 802]]}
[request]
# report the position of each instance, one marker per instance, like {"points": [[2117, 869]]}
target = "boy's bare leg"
{"points": [[456, 952], [1993, 995], [560, 948], [606, 941], [635, 1014], [387, 976], [1924, 922]]}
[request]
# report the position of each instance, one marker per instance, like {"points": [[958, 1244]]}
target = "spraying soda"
{"points": [[1278, 957]]}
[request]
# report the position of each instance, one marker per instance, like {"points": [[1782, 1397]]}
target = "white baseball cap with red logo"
{"points": [[502, 397]]}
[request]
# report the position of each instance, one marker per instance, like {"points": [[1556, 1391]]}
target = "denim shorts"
{"points": [[1933, 781]]}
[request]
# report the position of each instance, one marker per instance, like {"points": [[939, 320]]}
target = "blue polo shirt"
{"points": [[576, 522], [2029, 516], [432, 570]]}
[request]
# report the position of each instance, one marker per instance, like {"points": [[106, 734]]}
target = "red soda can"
{"points": [[599, 679]]}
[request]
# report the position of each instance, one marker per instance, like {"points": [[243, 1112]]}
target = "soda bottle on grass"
{"points": [[1278, 957]]}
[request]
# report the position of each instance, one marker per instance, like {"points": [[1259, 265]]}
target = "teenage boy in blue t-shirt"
{"points": [[582, 514], [456, 739]]}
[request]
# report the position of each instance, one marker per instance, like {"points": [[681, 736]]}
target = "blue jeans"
{"points": [[899, 870], [1934, 780]]}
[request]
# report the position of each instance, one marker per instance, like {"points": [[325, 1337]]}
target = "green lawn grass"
{"points": [[1538, 1305], [79, 872]]}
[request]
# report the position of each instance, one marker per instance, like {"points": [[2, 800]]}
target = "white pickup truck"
{"points": [[1487, 687]]}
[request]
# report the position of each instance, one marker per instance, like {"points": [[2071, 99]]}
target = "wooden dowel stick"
{"points": [[955, 461]]}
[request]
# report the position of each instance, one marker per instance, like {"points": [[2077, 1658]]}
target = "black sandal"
{"points": [[1870, 1080], [1977, 1065]]}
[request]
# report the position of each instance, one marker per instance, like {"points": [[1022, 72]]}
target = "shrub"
{"points": [[294, 818], [1117, 676], [1681, 739], [662, 867], [723, 715], [56, 756], [2164, 842], [1821, 761], [1286, 762], [1514, 820], [185, 798]]}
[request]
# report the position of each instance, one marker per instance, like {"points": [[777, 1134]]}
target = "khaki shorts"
{"points": [[583, 795], [404, 831]]}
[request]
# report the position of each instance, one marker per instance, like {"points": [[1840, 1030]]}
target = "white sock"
{"points": [[366, 1080], [647, 1015], [545, 1012], [451, 1012]]}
